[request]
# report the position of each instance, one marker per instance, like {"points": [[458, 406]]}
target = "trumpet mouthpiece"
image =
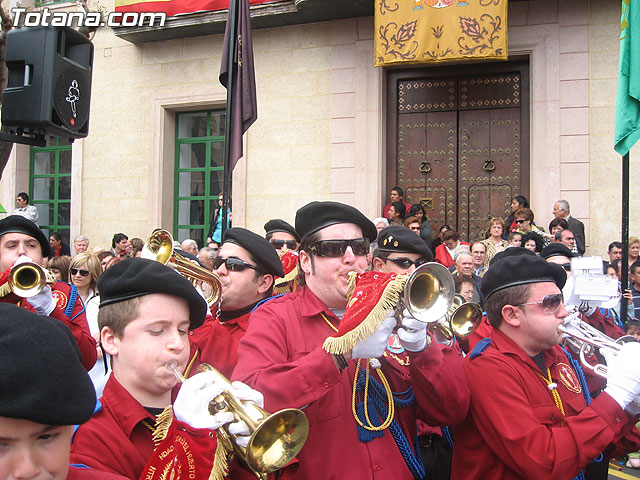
{"points": [[172, 366]]}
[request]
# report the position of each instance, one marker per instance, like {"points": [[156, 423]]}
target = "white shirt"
{"points": [[29, 212]]}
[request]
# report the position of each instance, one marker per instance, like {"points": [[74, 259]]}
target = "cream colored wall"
{"points": [[606, 166]]}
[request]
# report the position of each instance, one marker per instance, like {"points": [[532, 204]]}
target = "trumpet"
{"points": [[275, 438], [29, 279], [159, 247], [460, 321], [429, 292]]}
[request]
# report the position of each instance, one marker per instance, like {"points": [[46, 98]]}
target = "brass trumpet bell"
{"points": [[159, 247], [461, 320], [275, 438], [29, 279], [429, 292]]}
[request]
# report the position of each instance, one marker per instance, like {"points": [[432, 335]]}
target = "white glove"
{"points": [[192, 404], [375, 345], [413, 333], [623, 375], [240, 429], [22, 259], [43, 302]]}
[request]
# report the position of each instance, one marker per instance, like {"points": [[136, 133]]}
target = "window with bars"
{"points": [[50, 186], [199, 171]]}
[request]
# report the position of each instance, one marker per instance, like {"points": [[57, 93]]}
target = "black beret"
{"points": [[277, 225], [397, 239], [19, 224], [317, 215], [556, 250], [511, 252], [41, 374], [520, 270], [135, 277], [261, 250]]}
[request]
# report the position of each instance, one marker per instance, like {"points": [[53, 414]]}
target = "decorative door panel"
{"points": [[455, 142]]}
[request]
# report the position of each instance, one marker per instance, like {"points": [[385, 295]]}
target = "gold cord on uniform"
{"points": [[554, 389]]}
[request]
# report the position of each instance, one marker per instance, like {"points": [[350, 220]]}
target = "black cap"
{"points": [[277, 225], [397, 239], [511, 252], [317, 215], [520, 270], [41, 374], [264, 254], [135, 277], [556, 250], [19, 224]]}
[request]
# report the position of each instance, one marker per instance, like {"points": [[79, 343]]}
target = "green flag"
{"points": [[627, 130]]}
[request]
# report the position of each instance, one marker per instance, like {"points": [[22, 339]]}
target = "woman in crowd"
{"points": [[517, 203], [533, 242], [84, 271], [438, 240], [557, 225], [494, 242], [634, 249], [451, 246], [59, 266], [524, 221], [417, 210]]}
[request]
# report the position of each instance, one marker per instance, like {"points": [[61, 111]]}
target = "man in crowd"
{"points": [[614, 251], [190, 246], [281, 234], [566, 238], [119, 245], [22, 241], [395, 195], [58, 247], [24, 209], [561, 210], [464, 266], [44, 392], [282, 355], [529, 415], [400, 251], [206, 256], [146, 311], [479, 253], [246, 265], [80, 244]]}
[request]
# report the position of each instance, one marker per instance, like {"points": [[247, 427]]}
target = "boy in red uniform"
{"points": [[44, 391], [21, 241], [531, 415], [146, 311]]}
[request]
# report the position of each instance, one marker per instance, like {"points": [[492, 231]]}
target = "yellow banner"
{"points": [[427, 31]]}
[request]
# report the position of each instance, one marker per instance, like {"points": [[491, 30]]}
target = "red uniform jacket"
{"points": [[514, 429], [217, 342], [84, 473], [77, 321], [281, 355], [442, 254]]}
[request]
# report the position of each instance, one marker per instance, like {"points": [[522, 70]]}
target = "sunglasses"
{"points": [[278, 244], [233, 264], [404, 262], [337, 248], [550, 303], [75, 271], [520, 221]]}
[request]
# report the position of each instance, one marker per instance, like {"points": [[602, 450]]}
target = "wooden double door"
{"points": [[458, 141]]}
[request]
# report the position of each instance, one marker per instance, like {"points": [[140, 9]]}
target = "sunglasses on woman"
{"points": [[337, 248], [233, 264], [76, 271], [278, 244], [550, 303]]}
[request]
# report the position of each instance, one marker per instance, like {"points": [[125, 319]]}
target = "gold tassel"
{"points": [[287, 278], [388, 301], [220, 462], [5, 289], [163, 422]]}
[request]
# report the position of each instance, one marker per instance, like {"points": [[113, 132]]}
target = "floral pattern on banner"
{"points": [[426, 31]]}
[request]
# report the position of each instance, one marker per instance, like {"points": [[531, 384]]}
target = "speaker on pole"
{"points": [[49, 82]]}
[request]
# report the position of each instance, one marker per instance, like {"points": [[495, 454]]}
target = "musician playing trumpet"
{"points": [[22, 241], [146, 312], [531, 414]]}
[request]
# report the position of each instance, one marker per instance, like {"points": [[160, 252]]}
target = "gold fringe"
{"points": [[389, 300], [163, 422], [288, 277], [220, 462], [5, 289]]}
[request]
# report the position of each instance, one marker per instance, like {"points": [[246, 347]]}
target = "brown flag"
{"points": [[244, 108]]}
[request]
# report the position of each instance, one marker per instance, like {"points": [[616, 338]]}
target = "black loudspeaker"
{"points": [[49, 82]]}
